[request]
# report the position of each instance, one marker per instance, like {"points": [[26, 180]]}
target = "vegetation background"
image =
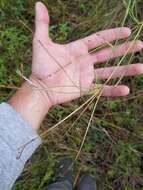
{"points": [[113, 150]]}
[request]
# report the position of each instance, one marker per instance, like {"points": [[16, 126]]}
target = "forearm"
{"points": [[20, 119], [32, 103]]}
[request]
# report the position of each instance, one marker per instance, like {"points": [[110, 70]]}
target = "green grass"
{"points": [[114, 144]]}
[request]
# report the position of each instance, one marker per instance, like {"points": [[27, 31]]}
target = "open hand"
{"points": [[65, 72]]}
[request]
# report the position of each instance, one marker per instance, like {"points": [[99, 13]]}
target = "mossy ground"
{"points": [[113, 150]]}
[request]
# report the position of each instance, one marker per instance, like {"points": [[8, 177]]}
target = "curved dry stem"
{"points": [[91, 99], [86, 132], [88, 127]]}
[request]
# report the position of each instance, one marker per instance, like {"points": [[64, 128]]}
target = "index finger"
{"points": [[106, 36]]}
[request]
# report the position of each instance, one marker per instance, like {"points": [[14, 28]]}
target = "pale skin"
{"points": [[61, 73]]}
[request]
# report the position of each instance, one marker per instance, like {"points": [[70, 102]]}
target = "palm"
{"points": [[68, 70], [67, 73]]}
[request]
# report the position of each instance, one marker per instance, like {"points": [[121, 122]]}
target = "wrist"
{"points": [[39, 88], [31, 102]]}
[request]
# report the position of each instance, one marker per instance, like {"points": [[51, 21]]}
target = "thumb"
{"points": [[42, 21]]}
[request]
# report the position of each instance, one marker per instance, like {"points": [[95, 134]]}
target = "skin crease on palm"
{"points": [[66, 70]]}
